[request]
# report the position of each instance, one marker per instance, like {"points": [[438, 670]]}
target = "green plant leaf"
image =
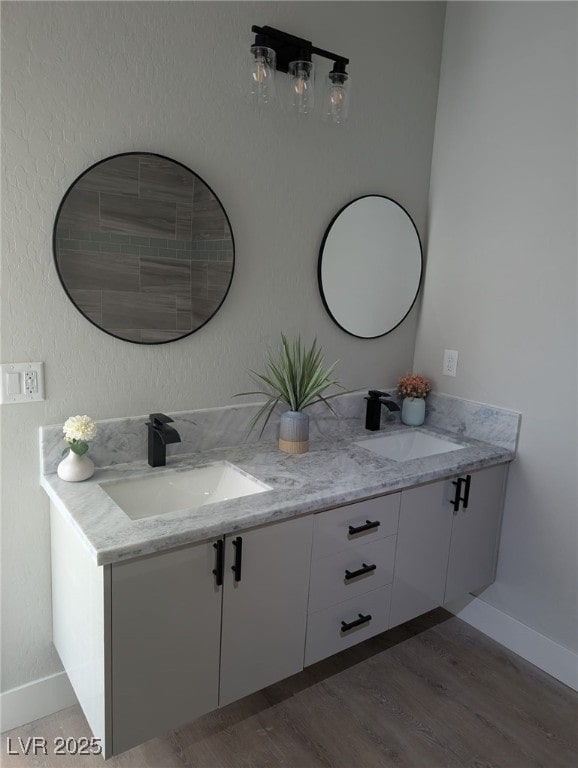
{"points": [[270, 406]]}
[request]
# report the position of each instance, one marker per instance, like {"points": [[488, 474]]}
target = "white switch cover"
{"points": [[450, 365], [21, 382], [14, 383]]}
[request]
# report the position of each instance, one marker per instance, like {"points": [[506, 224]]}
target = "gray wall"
{"points": [[501, 277], [81, 81]]}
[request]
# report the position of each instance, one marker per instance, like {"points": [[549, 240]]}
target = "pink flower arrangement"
{"points": [[413, 385]]}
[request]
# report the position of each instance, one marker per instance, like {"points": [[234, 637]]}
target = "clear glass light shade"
{"points": [[301, 86], [262, 75], [336, 97]]}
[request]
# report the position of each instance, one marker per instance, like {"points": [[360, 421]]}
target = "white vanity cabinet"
{"points": [[156, 641], [165, 635], [170, 646], [264, 606], [447, 541], [475, 531], [153, 642], [423, 545]]}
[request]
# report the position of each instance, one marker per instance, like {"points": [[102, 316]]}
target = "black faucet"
{"points": [[160, 435], [374, 402]]}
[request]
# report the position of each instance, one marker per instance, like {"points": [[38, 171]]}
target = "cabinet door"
{"points": [[475, 534], [166, 614], [421, 559], [264, 612]]}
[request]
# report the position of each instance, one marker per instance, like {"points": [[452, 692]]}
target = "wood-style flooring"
{"points": [[433, 693]]}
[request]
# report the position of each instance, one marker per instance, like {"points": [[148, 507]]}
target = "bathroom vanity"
{"points": [[162, 619]]}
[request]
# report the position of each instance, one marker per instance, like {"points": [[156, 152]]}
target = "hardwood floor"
{"points": [[432, 693]]}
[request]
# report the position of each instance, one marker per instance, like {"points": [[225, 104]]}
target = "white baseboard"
{"points": [[551, 657], [36, 699]]}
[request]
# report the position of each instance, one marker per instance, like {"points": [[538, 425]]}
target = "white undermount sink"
{"points": [[409, 444], [177, 489]]}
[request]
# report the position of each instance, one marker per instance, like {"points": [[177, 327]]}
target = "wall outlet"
{"points": [[21, 382], [450, 365], [30, 383]]}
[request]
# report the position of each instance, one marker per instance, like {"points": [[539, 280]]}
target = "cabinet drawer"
{"points": [[325, 635], [338, 529], [331, 584]]}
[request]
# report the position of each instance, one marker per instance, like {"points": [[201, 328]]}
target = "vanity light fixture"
{"points": [[276, 51]]}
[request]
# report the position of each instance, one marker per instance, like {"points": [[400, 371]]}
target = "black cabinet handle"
{"points": [[458, 497], [236, 567], [357, 623], [364, 569], [219, 562], [368, 526], [467, 493]]}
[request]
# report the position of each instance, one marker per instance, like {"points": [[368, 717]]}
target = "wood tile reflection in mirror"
{"points": [[143, 248]]}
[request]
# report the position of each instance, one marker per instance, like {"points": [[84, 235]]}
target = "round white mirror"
{"points": [[370, 266]]}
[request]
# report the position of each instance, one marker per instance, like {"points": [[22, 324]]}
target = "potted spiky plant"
{"points": [[297, 376]]}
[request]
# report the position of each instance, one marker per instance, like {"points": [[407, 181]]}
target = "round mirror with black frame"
{"points": [[143, 248], [370, 266]]}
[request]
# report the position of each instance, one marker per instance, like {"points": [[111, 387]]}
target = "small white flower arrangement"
{"points": [[78, 432]]}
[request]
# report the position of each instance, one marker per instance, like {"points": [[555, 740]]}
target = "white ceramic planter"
{"points": [[74, 468]]}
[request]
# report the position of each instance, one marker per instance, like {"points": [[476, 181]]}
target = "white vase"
{"points": [[294, 432], [74, 468], [413, 411]]}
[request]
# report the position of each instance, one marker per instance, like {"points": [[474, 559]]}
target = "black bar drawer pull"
{"points": [[364, 569], [367, 527], [219, 563], [357, 623], [236, 567]]}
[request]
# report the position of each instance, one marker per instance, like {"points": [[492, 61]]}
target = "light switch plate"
{"points": [[21, 382], [450, 364]]}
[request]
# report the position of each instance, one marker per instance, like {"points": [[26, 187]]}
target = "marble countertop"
{"points": [[335, 471]]}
